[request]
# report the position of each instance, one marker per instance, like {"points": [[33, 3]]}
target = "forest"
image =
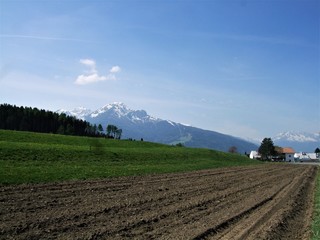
{"points": [[39, 120]]}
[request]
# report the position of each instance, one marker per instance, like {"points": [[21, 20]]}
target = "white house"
{"points": [[288, 154], [302, 156], [254, 155], [285, 154]]}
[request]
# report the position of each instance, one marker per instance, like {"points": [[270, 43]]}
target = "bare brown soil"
{"points": [[257, 202]]}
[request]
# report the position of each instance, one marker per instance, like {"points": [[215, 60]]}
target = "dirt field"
{"points": [[260, 202]]}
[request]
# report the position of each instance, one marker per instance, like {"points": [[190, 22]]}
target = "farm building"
{"points": [[302, 156], [286, 153], [254, 155]]}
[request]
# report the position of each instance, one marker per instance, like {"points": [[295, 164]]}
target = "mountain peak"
{"points": [[297, 136], [115, 105], [118, 108], [78, 112], [299, 141], [137, 124]]}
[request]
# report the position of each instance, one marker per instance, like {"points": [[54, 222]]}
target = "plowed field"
{"points": [[257, 202]]}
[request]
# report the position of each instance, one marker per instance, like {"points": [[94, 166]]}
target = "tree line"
{"points": [[113, 131], [39, 120]]}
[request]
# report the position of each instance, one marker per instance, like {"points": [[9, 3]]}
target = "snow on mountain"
{"points": [[299, 141], [79, 112], [120, 110], [116, 109], [137, 124], [298, 137]]}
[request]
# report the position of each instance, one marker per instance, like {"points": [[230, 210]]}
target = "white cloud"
{"points": [[93, 76], [115, 69], [88, 62]]}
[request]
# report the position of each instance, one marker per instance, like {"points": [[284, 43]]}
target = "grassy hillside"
{"points": [[27, 157]]}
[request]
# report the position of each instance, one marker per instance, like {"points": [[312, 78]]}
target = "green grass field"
{"points": [[27, 157], [316, 214]]}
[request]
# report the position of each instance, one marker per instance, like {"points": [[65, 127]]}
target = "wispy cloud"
{"points": [[92, 75], [262, 39], [277, 40], [88, 62], [43, 38]]}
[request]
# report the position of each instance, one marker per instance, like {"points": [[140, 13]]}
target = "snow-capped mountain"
{"points": [[120, 110], [79, 112], [299, 141], [298, 137], [137, 124]]}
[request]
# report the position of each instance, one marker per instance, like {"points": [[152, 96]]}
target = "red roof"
{"points": [[287, 150]]}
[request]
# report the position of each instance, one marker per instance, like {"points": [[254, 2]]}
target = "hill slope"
{"points": [[36, 157], [138, 124]]}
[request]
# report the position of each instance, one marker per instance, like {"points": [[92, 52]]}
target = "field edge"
{"points": [[315, 229]]}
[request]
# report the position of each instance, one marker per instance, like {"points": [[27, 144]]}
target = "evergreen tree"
{"points": [[109, 129], [266, 149], [95, 128], [33, 119], [100, 128]]}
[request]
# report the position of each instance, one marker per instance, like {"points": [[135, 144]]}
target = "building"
{"points": [[254, 155], [303, 157], [286, 153]]}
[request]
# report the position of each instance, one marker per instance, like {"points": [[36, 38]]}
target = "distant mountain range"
{"points": [[137, 124], [299, 141]]}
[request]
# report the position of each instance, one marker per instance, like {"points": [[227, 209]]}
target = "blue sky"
{"points": [[246, 68]]}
